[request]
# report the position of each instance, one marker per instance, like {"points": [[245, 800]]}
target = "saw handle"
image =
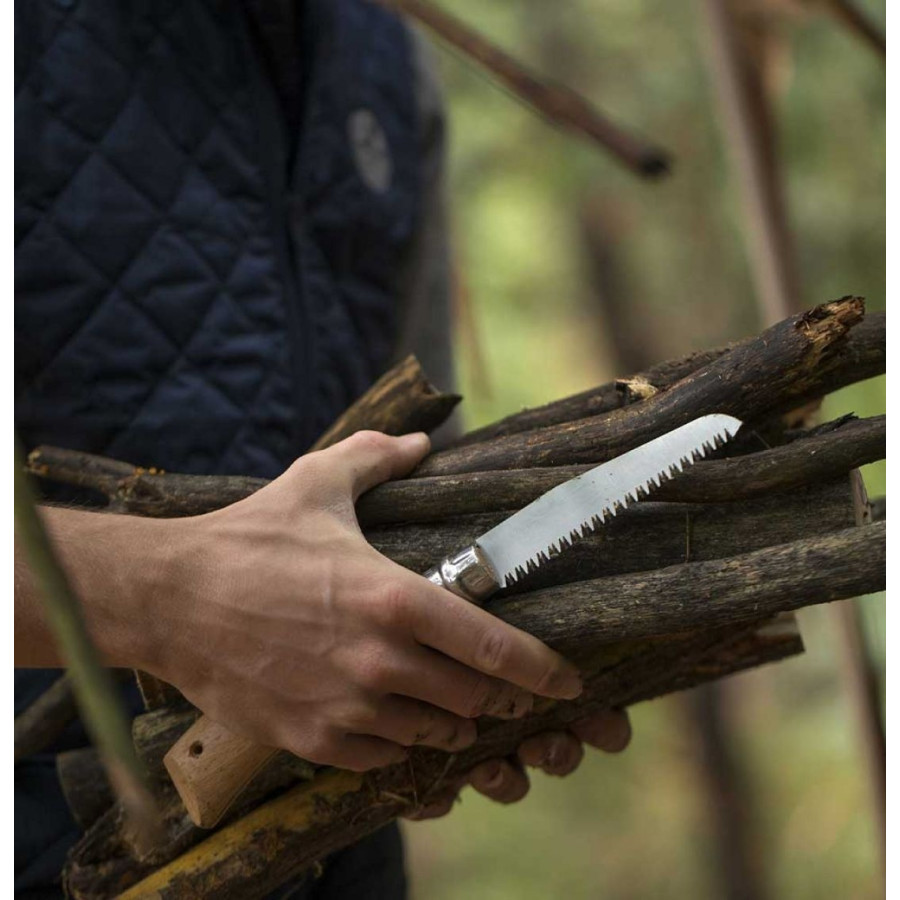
{"points": [[210, 766]]}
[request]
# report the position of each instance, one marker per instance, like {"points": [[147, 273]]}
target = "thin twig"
{"points": [[561, 105], [852, 17]]}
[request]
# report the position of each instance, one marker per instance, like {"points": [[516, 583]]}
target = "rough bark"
{"points": [[155, 731], [260, 851], [645, 536], [156, 693], [807, 459], [85, 785], [753, 379], [401, 401], [706, 594], [862, 356]]}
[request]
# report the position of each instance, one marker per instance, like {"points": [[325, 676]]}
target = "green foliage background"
{"points": [[636, 826]]}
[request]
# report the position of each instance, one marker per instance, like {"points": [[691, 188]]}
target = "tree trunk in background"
{"points": [[740, 37]]}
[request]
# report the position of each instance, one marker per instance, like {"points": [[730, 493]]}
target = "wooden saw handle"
{"points": [[210, 766]]}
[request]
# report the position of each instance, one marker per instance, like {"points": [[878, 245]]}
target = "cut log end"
{"points": [[823, 323]]}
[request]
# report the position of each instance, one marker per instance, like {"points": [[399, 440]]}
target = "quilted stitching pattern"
{"points": [[155, 320], [151, 219]]}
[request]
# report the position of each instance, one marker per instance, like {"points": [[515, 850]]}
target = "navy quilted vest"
{"points": [[205, 259], [197, 288]]}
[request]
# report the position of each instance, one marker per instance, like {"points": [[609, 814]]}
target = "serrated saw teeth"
{"points": [[576, 509]]}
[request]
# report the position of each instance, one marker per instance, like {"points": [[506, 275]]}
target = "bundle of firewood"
{"points": [[692, 585]]}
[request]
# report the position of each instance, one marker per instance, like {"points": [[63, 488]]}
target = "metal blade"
{"points": [[528, 538]]}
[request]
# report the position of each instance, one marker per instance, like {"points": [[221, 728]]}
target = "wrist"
{"points": [[152, 597], [126, 572]]}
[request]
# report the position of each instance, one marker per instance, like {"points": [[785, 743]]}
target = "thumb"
{"points": [[368, 458]]}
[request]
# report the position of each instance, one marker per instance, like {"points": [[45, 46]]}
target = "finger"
{"points": [[555, 752], [436, 679], [609, 730], [483, 642], [499, 780], [356, 752], [368, 458], [408, 722], [436, 806]]}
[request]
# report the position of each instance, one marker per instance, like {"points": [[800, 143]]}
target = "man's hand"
{"points": [[554, 752], [276, 618]]}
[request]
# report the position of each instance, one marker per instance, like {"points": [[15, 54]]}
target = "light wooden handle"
{"points": [[210, 766]]}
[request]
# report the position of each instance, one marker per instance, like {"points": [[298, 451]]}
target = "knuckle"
{"points": [[492, 652], [371, 441], [395, 604], [377, 672]]}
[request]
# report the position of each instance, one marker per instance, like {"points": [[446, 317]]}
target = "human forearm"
{"points": [[118, 567]]}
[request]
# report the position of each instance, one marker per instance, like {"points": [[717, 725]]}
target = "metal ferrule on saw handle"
{"points": [[466, 574]]}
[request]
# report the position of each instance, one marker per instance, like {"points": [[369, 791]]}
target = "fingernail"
{"points": [[550, 759], [567, 685], [495, 778]]}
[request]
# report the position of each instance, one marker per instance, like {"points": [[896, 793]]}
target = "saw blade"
{"points": [[542, 529]]}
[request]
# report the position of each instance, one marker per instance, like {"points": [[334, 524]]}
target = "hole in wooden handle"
{"points": [[196, 749]]}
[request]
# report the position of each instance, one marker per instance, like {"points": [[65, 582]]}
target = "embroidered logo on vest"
{"points": [[370, 150]]}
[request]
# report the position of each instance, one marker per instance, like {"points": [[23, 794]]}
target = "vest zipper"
{"points": [[274, 163]]}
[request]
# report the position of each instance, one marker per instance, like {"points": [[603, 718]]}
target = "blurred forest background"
{"points": [[554, 239]]}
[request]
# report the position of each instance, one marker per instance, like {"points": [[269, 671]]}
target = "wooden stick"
{"points": [[858, 23], [561, 105], [862, 356], [645, 536], [401, 401], [707, 594], [815, 458], [264, 849], [38, 726], [84, 784], [749, 381], [808, 460]]}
